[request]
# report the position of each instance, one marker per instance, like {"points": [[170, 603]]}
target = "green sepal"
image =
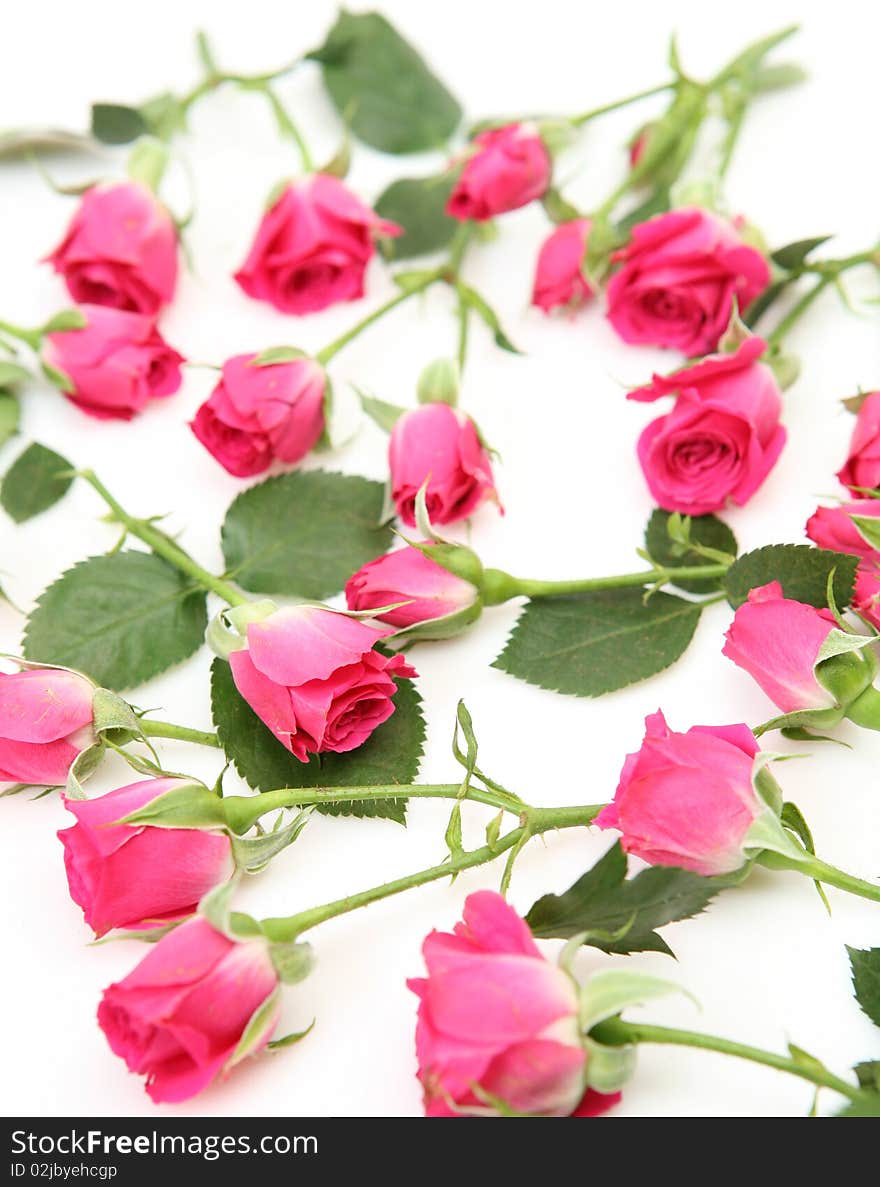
{"points": [[255, 1030], [147, 162], [380, 412], [439, 383], [84, 765], [191, 805], [277, 354], [254, 853], [434, 629], [227, 631], [292, 961], [289, 1040]]}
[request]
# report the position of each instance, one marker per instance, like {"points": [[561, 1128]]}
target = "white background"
{"points": [[766, 962]]}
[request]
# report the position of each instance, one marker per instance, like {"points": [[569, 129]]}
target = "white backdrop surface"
{"points": [[766, 963]]}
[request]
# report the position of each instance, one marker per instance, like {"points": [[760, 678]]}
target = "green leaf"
{"points": [[418, 204], [706, 530], [802, 572], [391, 755], [592, 643], [35, 481], [304, 534], [868, 1074], [121, 619], [113, 123], [865, 1106], [10, 414], [485, 311], [382, 413], [604, 901], [794, 254], [865, 963], [383, 88]]}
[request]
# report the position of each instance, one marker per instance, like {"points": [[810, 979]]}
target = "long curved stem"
{"points": [[585, 117], [333, 348], [181, 733], [616, 1032], [163, 546], [540, 820], [501, 587], [821, 871]]}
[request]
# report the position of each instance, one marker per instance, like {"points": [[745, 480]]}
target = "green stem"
{"points": [[333, 348], [796, 313], [243, 811], [214, 77], [163, 546], [539, 820], [579, 120], [827, 272], [499, 586], [615, 1032], [182, 733], [821, 871], [288, 127], [460, 243]]}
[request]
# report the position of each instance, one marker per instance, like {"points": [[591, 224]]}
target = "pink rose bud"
{"points": [[137, 876], [833, 527], [440, 444], [861, 470], [508, 168], [866, 593], [426, 590], [179, 1015], [45, 723], [312, 247], [257, 415], [678, 278], [117, 362], [778, 642], [559, 275], [120, 249], [499, 1022], [314, 678], [687, 800], [722, 437]]}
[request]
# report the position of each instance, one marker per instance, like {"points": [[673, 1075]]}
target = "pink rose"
{"points": [[256, 415], [120, 249], [679, 276], [866, 593], [312, 247], [427, 590], [179, 1015], [136, 876], [117, 362], [778, 641], [862, 466], [45, 723], [498, 1021], [559, 276], [508, 168], [832, 527], [687, 800], [722, 437], [440, 444], [313, 677]]}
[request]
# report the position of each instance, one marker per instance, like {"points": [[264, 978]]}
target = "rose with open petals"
{"points": [[687, 800], [134, 875], [861, 470], [259, 414], [120, 249], [179, 1016], [312, 247], [441, 445], [117, 362], [46, 721], [559, 275], [508, 168], [499, 1023], [314, 678], [678, 279], [721, 439]]}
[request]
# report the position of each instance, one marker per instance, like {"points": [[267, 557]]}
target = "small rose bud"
{"points": [[678, 278], [861, 470], [120, 250], [688, 799], [313, 677], [180, 1015], [441, 445], [508, 168], [137, 876], [559, 275], [312, 247], [259, 414], [431, 596], [783, 645], [498, 1024], [833, 527], [46, 721], [116, 363]]}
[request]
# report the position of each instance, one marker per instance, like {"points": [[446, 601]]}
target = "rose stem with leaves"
{"points": [[616, 1033], [827, 272], [499, 586]]}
